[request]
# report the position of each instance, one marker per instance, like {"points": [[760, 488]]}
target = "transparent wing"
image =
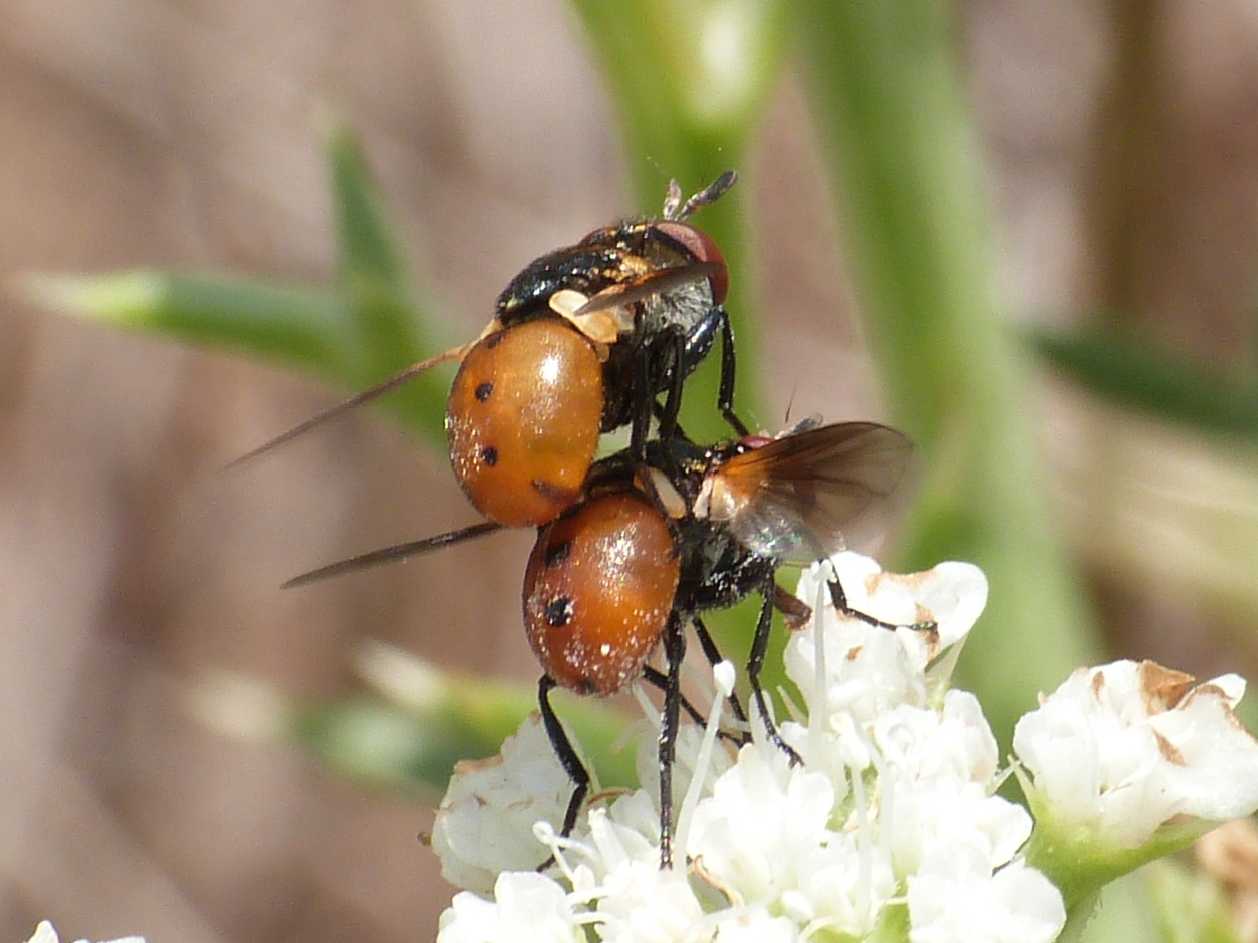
{"points": [[345, 405], [648, 286], [812, 493], [395, 554]]}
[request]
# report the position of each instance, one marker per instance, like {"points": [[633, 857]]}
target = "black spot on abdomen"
{"points": [[558, 612], [557, 553]]}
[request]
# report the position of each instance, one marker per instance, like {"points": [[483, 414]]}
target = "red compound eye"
{"points": [[700, 245]]}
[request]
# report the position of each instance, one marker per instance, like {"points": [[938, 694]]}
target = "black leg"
{"points": [[687, 352], [672, 403], [754, 663], [701, 338], [714, 657], [659, 679], [567, 757], [643, 403], [675, 646], [839, 599], [697, 345], [725, 397], [678, 431]]}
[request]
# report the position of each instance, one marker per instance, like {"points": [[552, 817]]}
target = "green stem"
{"points": [[906, 167]]}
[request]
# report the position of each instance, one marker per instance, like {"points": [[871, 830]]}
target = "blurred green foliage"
{"points": [[400, 743], [689, 79], [904, 160], [1131, 373], [1189, 906]]}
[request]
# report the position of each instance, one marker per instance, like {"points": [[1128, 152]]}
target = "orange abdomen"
{"points": [[598, 592], [523, 421]]}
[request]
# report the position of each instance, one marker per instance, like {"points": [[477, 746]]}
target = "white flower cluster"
{"points": [[890, 829]]}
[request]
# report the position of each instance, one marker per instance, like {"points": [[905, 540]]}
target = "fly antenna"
{"points": [[672, 200], [709, 194]]}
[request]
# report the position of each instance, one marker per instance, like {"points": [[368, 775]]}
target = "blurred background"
{"points": [[1026, 233]]}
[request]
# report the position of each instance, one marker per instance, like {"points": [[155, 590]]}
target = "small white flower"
{"points": [[935, 817], [868, 669], [1121, 750], [940, 769], [956, 899], [755, 926], [955, 743], [764, 830], [526, 905], [639, 902], [485, 823], [44, 933]]}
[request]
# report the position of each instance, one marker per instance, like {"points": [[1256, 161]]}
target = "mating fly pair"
{"points": [[583, 341], [622, 571], [632, 548]]}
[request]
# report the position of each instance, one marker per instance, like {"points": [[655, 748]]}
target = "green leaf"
{"points": [[376, 286], [901, 151], [1131, 373], [287, 324], [369, 251], [357, 334], [686, 74]]}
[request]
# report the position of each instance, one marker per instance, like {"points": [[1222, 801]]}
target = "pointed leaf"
{"points": [[286, 324], [1134, 374], [376, 286]]}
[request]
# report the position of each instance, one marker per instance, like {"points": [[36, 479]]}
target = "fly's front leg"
{"points": [[643, 401], [839, 599], [698, 342], [725, 395]]}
